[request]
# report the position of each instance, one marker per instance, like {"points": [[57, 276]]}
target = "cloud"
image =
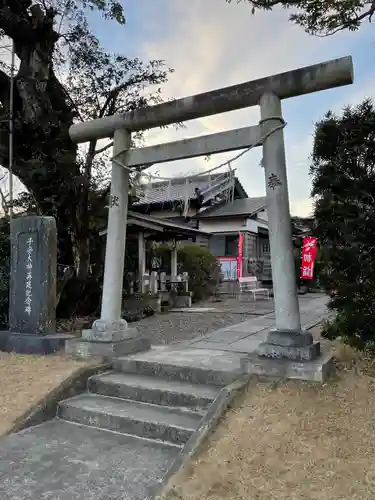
{"points": [[364, 89], [302, 207], [212, 44]]}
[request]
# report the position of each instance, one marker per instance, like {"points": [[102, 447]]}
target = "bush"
{"points": [[137, 307], [203, 270], [200, 264]]}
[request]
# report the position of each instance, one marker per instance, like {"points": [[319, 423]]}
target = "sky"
{"points": [[212, 44]]}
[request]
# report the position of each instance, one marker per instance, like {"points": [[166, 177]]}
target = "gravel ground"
{"points": [[168, 327], [180, 326]]}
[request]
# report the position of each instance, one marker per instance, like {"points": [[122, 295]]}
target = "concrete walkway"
{"points": [[221, 351], [61, 460], [246, 336]]}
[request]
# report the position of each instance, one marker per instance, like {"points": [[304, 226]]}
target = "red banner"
{"points": [[309, 249], [240, 255]]}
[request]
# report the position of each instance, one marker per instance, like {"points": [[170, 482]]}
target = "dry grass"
{"points": [[25, 380], [292, 440]]}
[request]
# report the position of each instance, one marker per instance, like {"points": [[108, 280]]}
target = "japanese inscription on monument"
{"points": [[33, 275], [29, 275]]}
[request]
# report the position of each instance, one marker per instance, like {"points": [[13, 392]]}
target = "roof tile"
{"points": [[244, 206]]}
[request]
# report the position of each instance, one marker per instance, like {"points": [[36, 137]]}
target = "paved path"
{"points": [[246, 336], [66, 461]]}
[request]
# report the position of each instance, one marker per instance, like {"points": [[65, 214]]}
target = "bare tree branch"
{"points": [[104, 148], [111, 98]]}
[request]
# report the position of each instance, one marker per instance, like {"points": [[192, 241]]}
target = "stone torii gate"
{"points": [[287, 340]]}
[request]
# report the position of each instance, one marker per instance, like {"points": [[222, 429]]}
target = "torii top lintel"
{"points": [[323, 76]]}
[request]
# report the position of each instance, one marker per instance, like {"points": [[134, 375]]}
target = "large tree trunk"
{"points": [[46, 164]]}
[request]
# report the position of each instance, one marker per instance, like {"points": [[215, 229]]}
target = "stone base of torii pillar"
{"points": [[316, 370], [107, 340]]}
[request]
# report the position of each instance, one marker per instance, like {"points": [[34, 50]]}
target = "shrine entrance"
{"points": [[286, 339]]}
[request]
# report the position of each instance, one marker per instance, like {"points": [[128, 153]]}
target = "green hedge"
{"points": [[200, 264], [138, 306]]}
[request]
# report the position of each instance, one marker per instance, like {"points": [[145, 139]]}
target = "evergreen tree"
{"points": [[343, 180]]}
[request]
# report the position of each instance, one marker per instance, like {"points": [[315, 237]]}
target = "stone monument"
{"points": [[32, 301]]}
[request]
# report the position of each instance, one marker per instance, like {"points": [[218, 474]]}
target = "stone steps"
{"points": [[162, 423], [123, 438], [194, 366], [162, 394], [153, 390]]}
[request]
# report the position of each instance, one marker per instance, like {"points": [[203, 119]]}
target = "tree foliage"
{"points": [[343, 179], [321, 17], [200, 264], [65, 76]]}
